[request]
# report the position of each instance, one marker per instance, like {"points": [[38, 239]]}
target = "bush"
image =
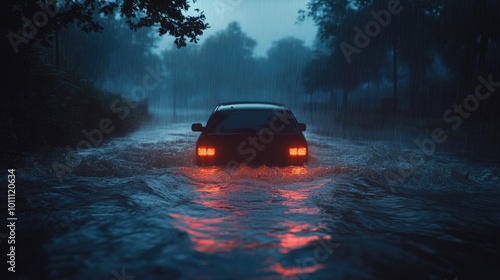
{"points": [[45, 107]]}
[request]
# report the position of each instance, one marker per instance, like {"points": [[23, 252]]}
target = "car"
{"points": [[251, 133]]}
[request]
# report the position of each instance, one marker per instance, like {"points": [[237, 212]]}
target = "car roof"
{"points": [[249, 105]]}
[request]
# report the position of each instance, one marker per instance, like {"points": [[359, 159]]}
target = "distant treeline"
{"points": [[423, 63], [50, 95]]}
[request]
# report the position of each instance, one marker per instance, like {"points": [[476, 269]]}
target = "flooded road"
{"points": [[138, 207]]}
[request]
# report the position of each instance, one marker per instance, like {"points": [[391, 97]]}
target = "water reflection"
{"points": [[212, 235], [247, 212], [294, 270], [296, 235]]}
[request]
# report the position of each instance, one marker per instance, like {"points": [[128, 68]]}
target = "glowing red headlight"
{"points": [[206, 151], [297, 151]]}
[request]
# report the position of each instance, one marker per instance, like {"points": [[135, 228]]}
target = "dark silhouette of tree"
{"points": [[224, 68], [342, 66], [229, 53], [48, 105], [184, 70], [25, 20], [406, 37], [232, 38], [470, 40], [116, 54], [286, 59], [417, 46], [214, 71], [468, 30]]}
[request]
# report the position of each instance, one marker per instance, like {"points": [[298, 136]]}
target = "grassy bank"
{"points": [[45, 107]]}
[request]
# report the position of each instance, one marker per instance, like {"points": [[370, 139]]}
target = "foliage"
{"points": [[47, 104], [224, 68], [169, 17], [52, 107], [464, 33], [116, 54]]}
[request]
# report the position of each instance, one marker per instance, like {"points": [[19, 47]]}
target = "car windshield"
{"points": [[251, 121]]}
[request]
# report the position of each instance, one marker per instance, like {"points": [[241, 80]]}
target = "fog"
{"points": [[377, 74], [253, 50], [396, 175], [264, 21]]}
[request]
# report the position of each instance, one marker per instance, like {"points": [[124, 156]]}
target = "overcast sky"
{"points": [[263, 20]]}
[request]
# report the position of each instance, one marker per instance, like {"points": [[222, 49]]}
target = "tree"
{"points": [[101, 55], [340, 22], [286, 59], [30, 20], [218, 69], [229, 52], [477, 25], [344, 65], [184, 79]]}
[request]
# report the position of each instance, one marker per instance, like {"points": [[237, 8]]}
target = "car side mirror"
{"points": [[197, 127], [302, 126]]}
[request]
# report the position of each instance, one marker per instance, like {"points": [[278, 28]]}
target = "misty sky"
{"points": [[263, 20]]}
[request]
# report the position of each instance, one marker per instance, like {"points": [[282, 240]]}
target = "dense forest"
{"points": [[54, 94], [421, 66]]}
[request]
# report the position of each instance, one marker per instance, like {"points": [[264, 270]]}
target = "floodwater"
{"points": [[137, 207]]}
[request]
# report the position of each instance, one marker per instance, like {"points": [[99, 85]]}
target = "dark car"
{"points": [[253, 133]]}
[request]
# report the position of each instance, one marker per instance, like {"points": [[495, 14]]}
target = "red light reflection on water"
{"points": [[211, 235], [297, 235], [295, 270], [227, 233], [296, 197], [290, 241], [296, 170]]}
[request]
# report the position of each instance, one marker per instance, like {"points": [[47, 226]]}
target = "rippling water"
{"points": [[138, 206]]}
